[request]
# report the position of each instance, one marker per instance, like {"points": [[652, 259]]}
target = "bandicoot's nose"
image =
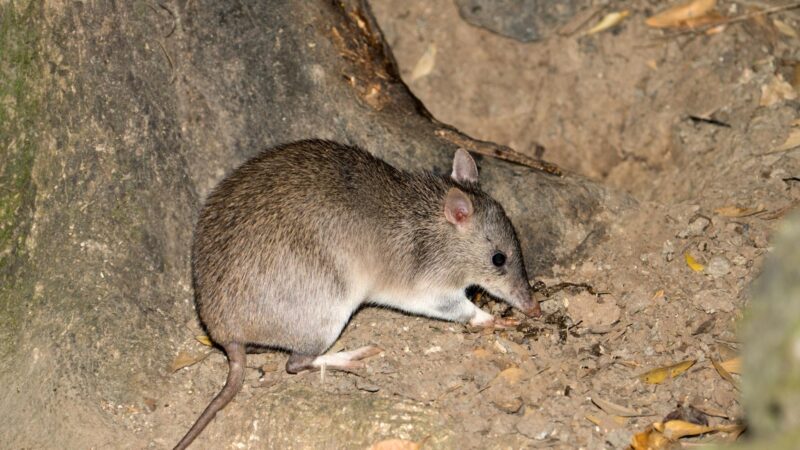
{"points": [[529, 304], [532, 309]]}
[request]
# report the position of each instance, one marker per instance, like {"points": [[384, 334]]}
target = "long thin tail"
{"points": [[236, 363]]}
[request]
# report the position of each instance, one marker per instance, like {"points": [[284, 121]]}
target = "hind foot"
{"points": [[346, 361]]}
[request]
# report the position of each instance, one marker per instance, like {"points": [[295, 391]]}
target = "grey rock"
{"points": [[523, 20]]}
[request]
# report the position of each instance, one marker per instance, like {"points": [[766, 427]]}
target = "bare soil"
{"points": [[617, 107]]}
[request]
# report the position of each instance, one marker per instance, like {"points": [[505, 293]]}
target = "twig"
{"points": [[496, 151]]}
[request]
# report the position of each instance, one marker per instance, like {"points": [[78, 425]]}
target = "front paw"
{"points": [[483, 319]]}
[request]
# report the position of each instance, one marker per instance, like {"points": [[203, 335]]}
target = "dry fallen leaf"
{"points": [[784, 28], [186, 359], [512, 375], [650, 439], [735, 211], [676, 429], [733, 365], [609, 21], [791, 142], [776, 91], [692, 263], [724, 374], [425, 64], [661, 374], [615, 409], [395, 444], [679, 15], [205, 340], [481, 353]]}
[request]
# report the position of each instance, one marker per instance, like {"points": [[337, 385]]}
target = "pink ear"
{"points": [[457, 208], [464, 168]]}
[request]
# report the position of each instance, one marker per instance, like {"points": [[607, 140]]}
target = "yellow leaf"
{"points": [[205, 340], [650, 439], [609, 21], [661, 374], [724, 373], [694, 265], [678, 15], [395, 444], [733, 365], [735, 211], [676, 429]]}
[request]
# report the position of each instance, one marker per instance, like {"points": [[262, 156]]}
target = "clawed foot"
{"points": [[346, 361], [485, 320], [496, 323]]}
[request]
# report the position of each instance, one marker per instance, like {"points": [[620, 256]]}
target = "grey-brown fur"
{"points": [[292, 242]]}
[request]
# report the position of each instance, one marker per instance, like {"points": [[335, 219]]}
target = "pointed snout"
{"points": [[526, 302]]}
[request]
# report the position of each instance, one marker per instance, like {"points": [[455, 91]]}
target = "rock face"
{"points": [[771, 334], [122, 116]]}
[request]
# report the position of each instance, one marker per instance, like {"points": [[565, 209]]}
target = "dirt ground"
{"points": [[691, 125]]}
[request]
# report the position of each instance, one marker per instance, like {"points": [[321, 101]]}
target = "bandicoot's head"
{"points": [[487, 251]]}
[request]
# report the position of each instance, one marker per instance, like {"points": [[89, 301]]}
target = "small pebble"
{"points": [[718, 266], [696, 228], [668, 251]]}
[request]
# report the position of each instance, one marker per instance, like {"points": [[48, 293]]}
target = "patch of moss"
{"points": [[20, 101]]}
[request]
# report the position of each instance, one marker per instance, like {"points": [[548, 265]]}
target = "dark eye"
{"points": [[498, 259]]}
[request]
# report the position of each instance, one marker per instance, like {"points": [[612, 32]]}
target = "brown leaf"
{"points": [[395, 444], [776, 91], [186, 359], [606, 422], [679, 15], [792, 141], [784, 28], [512, 375]]}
